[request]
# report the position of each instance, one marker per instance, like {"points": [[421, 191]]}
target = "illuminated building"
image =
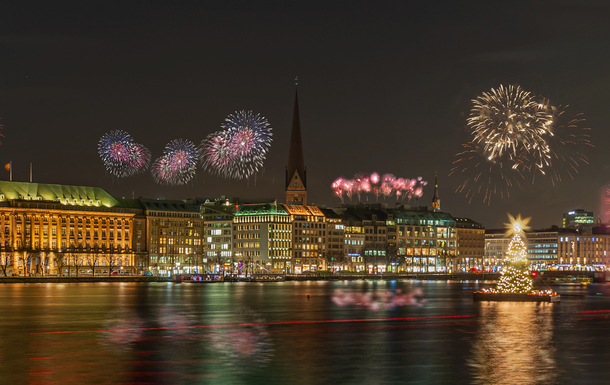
{"points": [[542, 249], [335, 241], [578, 219], [372, 220], [354, 248], [175, 236], [262, 238], [309, 238], [66, 230], [496, 247], [470, 252], [398, 240], [588, 251], [296, 174], [427, 240], [218, 216]]}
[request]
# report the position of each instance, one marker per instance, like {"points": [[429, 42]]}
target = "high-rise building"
{"points": [[578, 219], [296, 177]]}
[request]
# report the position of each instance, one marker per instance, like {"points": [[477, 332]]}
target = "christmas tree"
{"points": [[515, 277]]}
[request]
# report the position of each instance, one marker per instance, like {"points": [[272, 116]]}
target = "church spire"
{"points": [[296, 178], [436, 202]]}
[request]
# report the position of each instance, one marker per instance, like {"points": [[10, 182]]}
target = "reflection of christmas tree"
{"points": [[515, 278]]}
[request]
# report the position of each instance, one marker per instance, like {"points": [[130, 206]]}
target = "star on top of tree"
{"points": [[516, 225]]}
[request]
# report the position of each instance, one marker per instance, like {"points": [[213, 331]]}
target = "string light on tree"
{"points": [[516, 276]]}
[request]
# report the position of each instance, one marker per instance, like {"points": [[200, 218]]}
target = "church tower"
{"points": [[436, 201], [296, 177]]}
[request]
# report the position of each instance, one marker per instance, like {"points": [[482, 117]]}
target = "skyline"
{"points": [[169, 72]]}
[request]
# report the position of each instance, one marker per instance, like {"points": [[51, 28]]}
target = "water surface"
{"points": [[349, 332]]}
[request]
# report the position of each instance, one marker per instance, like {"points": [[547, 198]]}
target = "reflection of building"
{"points": [[470, 246], [58, 229], [262, 238], [175, 236], [578, 219]]}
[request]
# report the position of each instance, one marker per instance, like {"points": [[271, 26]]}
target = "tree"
{"points": [[59, 261], [111, 260], [78, 261], [92, 261], [515, 277], [5, 261], [25, 257]]}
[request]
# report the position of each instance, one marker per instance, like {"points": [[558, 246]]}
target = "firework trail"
{"points": [[387, 185], [121, 156], [178, 164], [240, 149], [514, 136]]}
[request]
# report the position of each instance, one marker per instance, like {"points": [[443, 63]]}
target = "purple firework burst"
{"points": [[178, 164], [121, 156], [239, 150], [217, 156], [250, 141]]}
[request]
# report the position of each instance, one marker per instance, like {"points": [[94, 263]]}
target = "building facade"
{"points": [[470, 254], [53, 229], [308, 238], [218, 217], [175, 237], [262, 239], [578, 219]]}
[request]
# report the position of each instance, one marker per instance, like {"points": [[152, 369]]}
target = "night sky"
{"points": [[383, 87]]}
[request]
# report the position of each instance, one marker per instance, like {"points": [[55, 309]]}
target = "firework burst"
{"points": [[386, 185], [217, 156], [178, 164], [516, 136], [239, 150], [121, 156]]}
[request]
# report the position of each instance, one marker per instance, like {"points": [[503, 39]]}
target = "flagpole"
{"points": [[30, 172], [10, 167]]}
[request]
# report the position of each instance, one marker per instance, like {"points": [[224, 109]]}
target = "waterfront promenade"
{"points": [[547, 276]]}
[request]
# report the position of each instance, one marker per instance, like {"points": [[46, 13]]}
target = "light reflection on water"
{"points": [[161, 334], [514, 344]]}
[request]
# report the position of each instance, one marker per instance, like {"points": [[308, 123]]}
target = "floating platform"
{"points": [[480, 296]]}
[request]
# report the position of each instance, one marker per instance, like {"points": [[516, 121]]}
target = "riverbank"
{"points": [[82, 279], [391, 277]]}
